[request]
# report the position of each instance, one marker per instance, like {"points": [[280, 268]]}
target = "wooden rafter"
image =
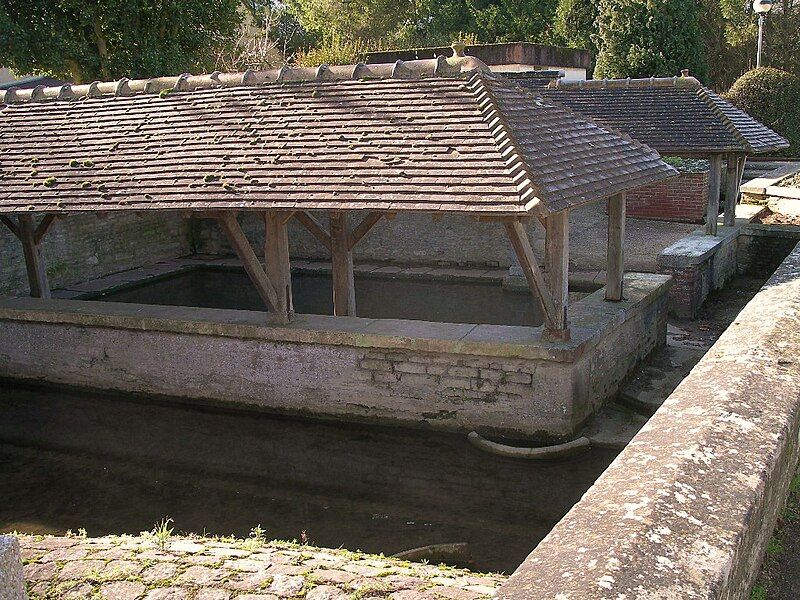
{"points": [[313, 226], [527, 260], [237, 239], [363, 228]]}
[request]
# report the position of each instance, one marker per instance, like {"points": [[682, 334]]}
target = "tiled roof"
{"points": [[672, 115], [437, 135]]}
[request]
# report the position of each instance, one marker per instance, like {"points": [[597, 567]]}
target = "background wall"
{"points": [[83, 247]]}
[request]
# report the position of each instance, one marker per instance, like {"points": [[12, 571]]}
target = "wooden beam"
{"points": [[527, 261], [10, 224], [37, 274], [314, 228], [712, 210], [44, 226], [344, 291], [615, 254], [556, 263], [277, 263], [731, 189], [230, 227], [363, 228]]}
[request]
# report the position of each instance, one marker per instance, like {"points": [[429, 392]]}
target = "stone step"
{"points": [[657, 377]]}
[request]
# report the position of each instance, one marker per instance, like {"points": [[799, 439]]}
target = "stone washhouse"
{"points": [[349, 145], [677, 116]]}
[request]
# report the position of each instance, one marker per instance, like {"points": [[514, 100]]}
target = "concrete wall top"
{"points": [[687, 508], [590, 318]]}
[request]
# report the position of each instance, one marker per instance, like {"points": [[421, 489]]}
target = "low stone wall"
{"points": [[687, 509], [682, 199], [495, 379], [83, 247], [699, 264], [761, 248]]}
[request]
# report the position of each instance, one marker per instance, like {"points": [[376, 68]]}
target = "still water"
{"points": [[119, 463], [443, 301]]}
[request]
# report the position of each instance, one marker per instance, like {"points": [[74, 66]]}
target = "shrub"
{"points": [[773, 97]]}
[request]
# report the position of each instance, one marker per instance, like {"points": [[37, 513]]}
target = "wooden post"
{"points": [[37, 274], [556, 261], [714, 176], [731, 189], [536, 282], [344, 291], [277, 263], [615, 254]]}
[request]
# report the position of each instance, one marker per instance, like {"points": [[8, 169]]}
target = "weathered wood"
{"points": [[556, 263], [344, 290], [10, 224], [527, 261], [34, 265], [714, 177], [278, 265], [317, 230], [615, 253], [363, 228], [731, 188], [44, 226], [238, 241]]}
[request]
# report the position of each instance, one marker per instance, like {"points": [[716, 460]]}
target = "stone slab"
{"points": [[695, 248]]}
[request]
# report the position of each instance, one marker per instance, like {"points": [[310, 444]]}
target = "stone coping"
{"points": [[695, 248], [687, 509], [590, 318], [761, 188], [146, 567]]}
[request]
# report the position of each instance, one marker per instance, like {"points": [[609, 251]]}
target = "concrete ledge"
{"points": [[699, 263], [686, 510], [12, 584], [498, 379]]}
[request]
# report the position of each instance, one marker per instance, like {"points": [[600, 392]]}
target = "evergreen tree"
{"points": [[645, 38], [85, 40]]}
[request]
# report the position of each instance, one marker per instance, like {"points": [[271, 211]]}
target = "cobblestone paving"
{"points": [[131, 568]]}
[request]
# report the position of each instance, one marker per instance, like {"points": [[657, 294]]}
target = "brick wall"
{"points": [[682, 199], [87, 246]]}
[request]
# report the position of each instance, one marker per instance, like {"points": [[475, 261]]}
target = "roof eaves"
{"points": [[705, 96], [529, 194]]}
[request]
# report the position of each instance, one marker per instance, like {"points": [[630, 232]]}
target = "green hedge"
{"points": [[773, 97]]}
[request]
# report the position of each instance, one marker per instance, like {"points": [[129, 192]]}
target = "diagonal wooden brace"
{"points": [[237, 239], [536, 282], [313, 226]]}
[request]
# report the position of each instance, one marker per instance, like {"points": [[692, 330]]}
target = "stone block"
{"points": [[12, 584]]}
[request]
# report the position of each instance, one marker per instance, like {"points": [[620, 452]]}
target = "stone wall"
{"points": [[762, 248], [495, 379], [83, 247], [687, 509], [406, 239], [683, 199]]}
